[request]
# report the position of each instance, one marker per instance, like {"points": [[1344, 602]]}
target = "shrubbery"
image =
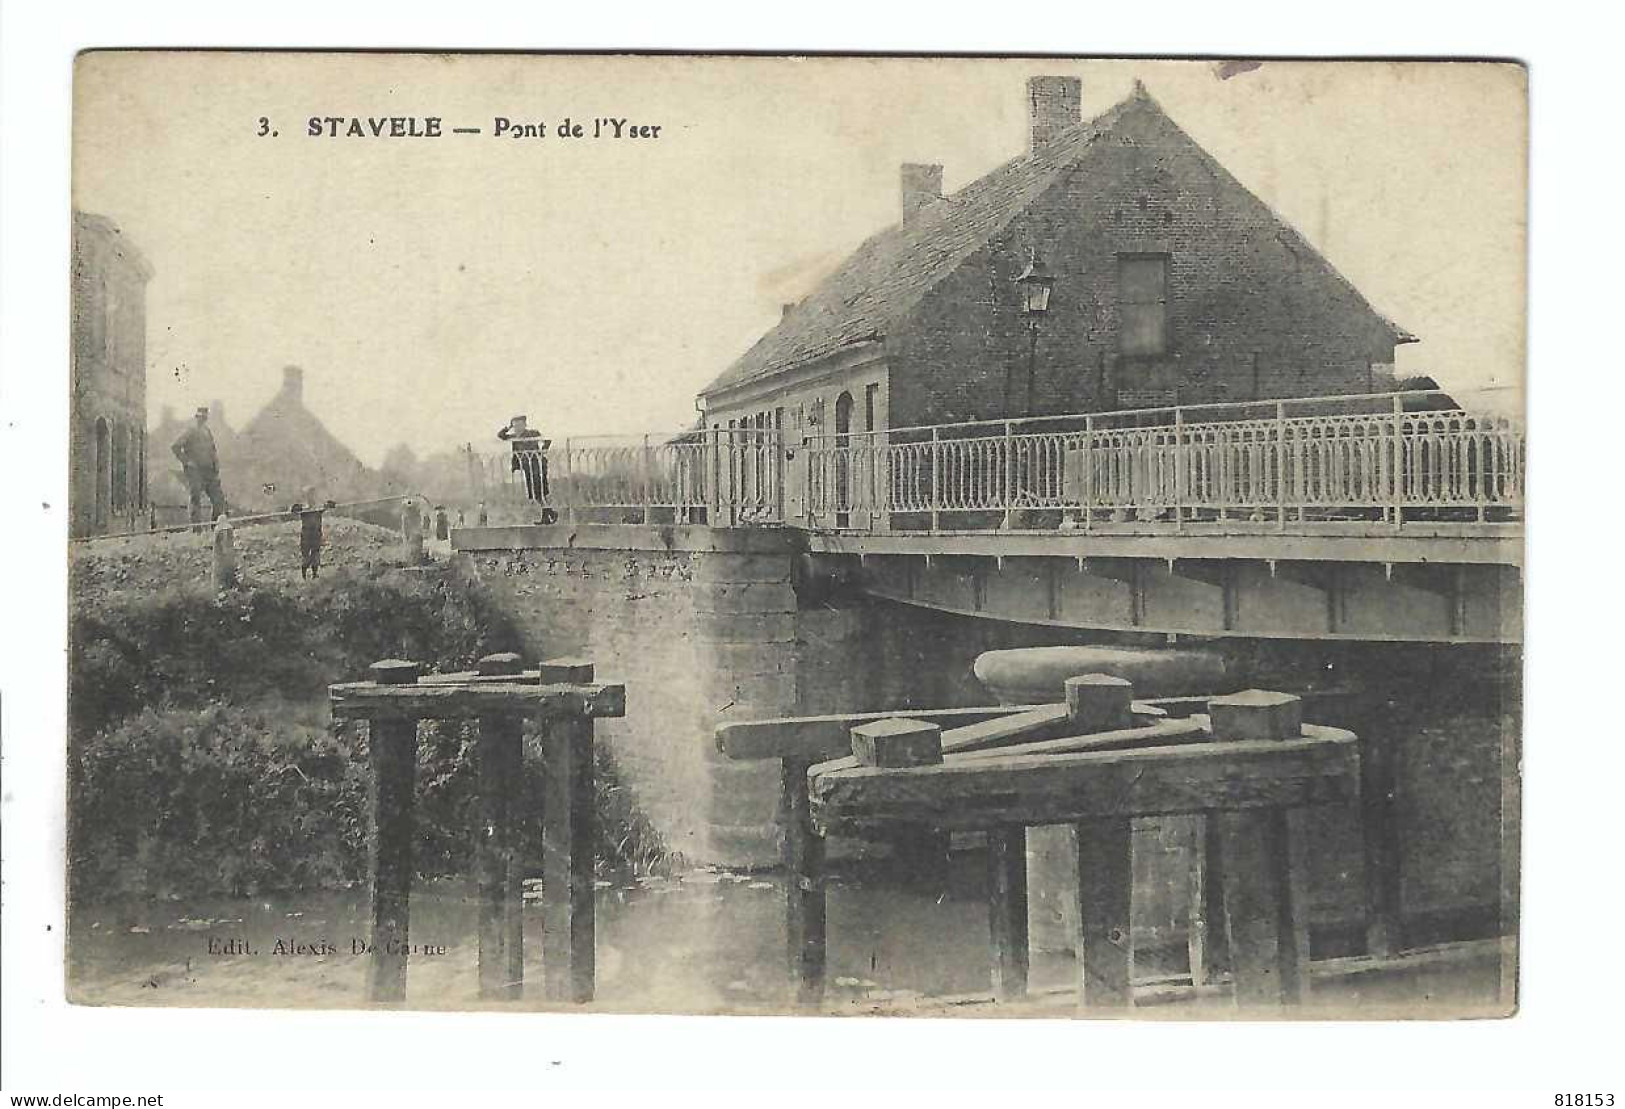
{"points": [[183, 645], [201, 759]]}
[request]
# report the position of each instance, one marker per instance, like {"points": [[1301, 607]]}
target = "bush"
{"points": [[184, 645], [201, 760], [244, 800]]}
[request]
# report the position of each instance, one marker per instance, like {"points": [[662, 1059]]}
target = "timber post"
{"points": [[803, 858], [568, 847], [223, 568], [392, 747], [1105, 860], [500, 695], [500, 912], [1264, 869]]}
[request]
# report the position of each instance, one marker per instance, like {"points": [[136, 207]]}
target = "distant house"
{"points": [[108, 375], [1172, 284], [283, 455], [287, 448]]}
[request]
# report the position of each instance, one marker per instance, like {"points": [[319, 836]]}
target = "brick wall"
{"points": [[1250, 311], [109, 379]]}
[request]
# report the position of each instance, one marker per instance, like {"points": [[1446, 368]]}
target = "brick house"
{"points": [[283, 455], [1172, 284], [108, 380]]}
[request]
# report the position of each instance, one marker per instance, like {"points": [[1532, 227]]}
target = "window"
{"points": [[120, 477], [1142, 300]]}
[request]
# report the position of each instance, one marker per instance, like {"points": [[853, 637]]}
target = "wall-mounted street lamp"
{"points": [[1035, 284]]}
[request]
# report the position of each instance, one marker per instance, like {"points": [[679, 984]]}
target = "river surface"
{"points": [[708, 941]]}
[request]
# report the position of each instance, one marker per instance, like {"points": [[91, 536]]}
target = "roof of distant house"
{"points": [[890, 272]]}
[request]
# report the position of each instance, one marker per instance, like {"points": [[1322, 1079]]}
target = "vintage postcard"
{"points": [[832, 535]]}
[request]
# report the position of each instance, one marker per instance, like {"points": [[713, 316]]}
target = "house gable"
{"points": [[955, 251]]}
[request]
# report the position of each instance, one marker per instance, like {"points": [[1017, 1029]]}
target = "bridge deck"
{"points": [[1456, 544]]}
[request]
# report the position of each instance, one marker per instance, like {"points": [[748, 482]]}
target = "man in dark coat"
{"points": [[530, 460], [200, 465]]}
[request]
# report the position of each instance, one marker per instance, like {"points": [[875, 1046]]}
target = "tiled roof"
{"points": [[892, 270]]}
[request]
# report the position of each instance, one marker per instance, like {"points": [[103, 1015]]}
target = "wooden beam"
{"points": [[902, 741], [1033, 722], [566, 671], [465, 677], [823, 737], [1163, 733], [451, 702], [1322, 768]]}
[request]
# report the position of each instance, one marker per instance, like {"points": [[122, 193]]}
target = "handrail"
{"points": [[1390, 457], [1269, 405]]}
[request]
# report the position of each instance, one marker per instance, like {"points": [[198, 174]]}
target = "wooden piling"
{"points": [[1265, 868], [1099, 702], [223, 569], [803, 856], [392, 745], [568, 850], [500, 897], [1105, 943], [1379, 834], [1007, 910], [1206, 942]]}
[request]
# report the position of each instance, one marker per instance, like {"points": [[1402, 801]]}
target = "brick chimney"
{"points": [[785, 310], [1053, 105], [293, 383], [922, 187]]}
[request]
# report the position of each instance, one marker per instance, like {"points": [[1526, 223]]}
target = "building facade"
{"points": [[108, 376], [1172, 284]]}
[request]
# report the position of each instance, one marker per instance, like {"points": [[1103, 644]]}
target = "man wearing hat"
{"points": [[530, 460], [200, 464]]}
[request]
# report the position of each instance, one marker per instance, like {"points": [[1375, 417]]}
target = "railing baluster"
{"points": [[1398, 504], [936, 479]]}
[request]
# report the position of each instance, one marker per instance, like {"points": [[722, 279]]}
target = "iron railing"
{"points": [[1391, 457], [721, 477]]}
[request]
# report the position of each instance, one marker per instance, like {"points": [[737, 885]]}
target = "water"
{"points": [[709, 940]]}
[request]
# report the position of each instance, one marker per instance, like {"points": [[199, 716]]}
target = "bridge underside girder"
{"points": [[1244, 597]]}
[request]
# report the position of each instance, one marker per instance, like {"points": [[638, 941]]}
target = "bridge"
{"points": [[1378, 517]]}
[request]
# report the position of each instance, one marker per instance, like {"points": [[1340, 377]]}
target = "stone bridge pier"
{"points": [[706, 625], [702, 626]]}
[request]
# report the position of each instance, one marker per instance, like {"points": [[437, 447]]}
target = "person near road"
{"points": [[530, 460], [200, 466]]}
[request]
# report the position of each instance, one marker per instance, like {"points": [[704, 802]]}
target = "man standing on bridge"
{"points": [[200, 465], [530, 460]]}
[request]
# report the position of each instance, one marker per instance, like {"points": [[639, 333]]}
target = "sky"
{"points": [[432, 288]]}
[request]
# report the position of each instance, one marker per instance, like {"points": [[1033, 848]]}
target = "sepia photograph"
{"points": [[925, 536]]}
